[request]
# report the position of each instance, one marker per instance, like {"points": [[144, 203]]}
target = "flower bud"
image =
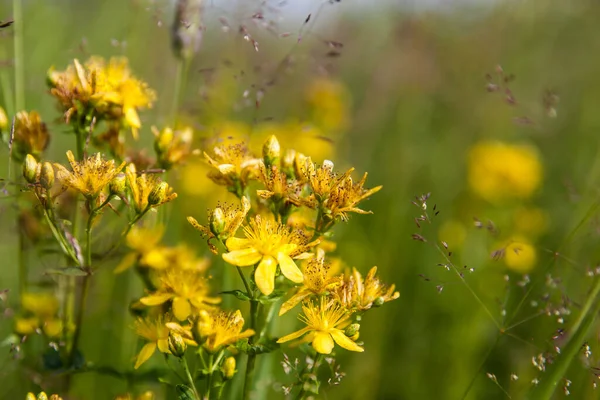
{"points": [[30, 168], [271, 151], [47, 176], [117, 184], [163, 140], [3, 120], [42, 396], [30, 396], [378, 302], [352, 330], [159, 194], [228, 368], [177, 345], [147, 395], [217, 221]]}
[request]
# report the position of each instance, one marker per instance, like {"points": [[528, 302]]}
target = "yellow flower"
{"points": [[520, 256], [316, 282], [233, 166], [530, 221], [337, 195], [358, 294], [325, 322], [223, 222], [89, 176], [146, 249], [42, 396], [500, 171], [147, 395], [39, 310], [217, 329], [329, 104], [270, 244], [453, 232], [143, 186], [172, 147], [30, 135], [108, 88], [188, 290]]}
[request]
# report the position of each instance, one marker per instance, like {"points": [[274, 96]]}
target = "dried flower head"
{"points": [[172, 147], [360, 295], [30, 135], [147, 190], [233, 166]]}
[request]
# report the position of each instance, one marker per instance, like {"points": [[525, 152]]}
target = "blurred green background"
{"points": [[414, 81]]}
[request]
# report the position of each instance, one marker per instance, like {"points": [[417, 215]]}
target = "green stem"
{"points": [[246, 285], [180, 75], [581, 328], [210, 376], [188, 375], [19, 62], [312, 370], [250, 364]]}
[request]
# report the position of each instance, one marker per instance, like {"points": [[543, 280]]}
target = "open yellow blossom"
{"points": [[30, 135], [501, 171], [155, 331], [358, 294], [39, 311], [325, 322], [217, 330], [223, 222], [337, 195], [316, 282], [172, 147], [187, 288], [233, 166], [146, 249], [143, 186], [89, 176], [107, 88], [269, 244]]}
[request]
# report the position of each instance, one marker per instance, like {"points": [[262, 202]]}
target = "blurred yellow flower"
{"points": [[39, 311], [269, 244], [233, 166], [89, 176], [143, 188], [172, 146], [329, 103], [30, 135], [186, 288], [453, 232], [147, 395], [325, 323], [146, 249], [530, 221], [520, 256], [499, 171]]}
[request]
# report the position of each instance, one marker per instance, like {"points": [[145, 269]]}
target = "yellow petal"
{"points": [[234, 243], [126, 263], [243, 258], [292, 302], [289, 269], [344, 341], [132, 118], [145, 354], [156, 299], [53, 328], [181, 308], [322, 342], [163, 346], [294, 335], [287, 248], [265, 275]]}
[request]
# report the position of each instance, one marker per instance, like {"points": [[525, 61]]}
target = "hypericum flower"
{"points": [[143, 186], [337, 195], [42, 396], [500, 171], [223, 222], [147, 395], [89, 176], [233, 165], [109, 89], [39, 311], [329, 102], [172, 147], [520, 255], [325, 323], [278, 186], [155, 331], [146, 249], [216, 330], [30, 135], [317, 281], [360, 295], [268, 243], [187, 288]]}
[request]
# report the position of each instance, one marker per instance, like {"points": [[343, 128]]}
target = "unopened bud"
{"points": [[379, 301], [42, 396], [300, 166], [328, 165], [271, 151], [47, 176], [30, 396], [30, 167], [117, 184], [158, 194], [3, 120], [177, 345], [228, 368], [163, 140], [352, 330], [217, 221], [147, 395]]}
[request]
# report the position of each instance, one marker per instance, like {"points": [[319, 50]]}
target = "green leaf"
{"points": [[238, 293], [68, 271], [273, 297], [184, 392], [265, 346]]}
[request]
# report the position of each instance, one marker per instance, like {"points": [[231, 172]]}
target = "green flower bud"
{"points": [[177, 345], [228, 368], [378, 302], [3, 120], [158, 195], [30, 168], [163, 140], [30, 396], [352, 330], [271, 151], [42, 396], [217, 221], [47, 176], [117, 184]]}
